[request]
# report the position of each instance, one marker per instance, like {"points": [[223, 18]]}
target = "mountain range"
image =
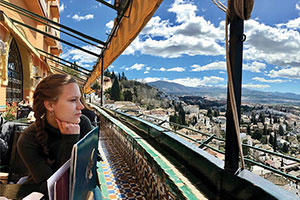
{"points": [[248, 95]]}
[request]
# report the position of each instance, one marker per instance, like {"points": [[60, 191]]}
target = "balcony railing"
{"points": [[205, 171]]}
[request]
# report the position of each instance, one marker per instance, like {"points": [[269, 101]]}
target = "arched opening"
{"points": [[14, 90]]}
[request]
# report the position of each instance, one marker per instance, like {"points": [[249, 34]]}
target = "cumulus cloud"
{"points": [[211, 66], [189, 82], [272, 45], [149, 79], [254, 66], [176, 69], [290, 73], [162, 69], [81, 58], [86, 17], [61, 8], [292, 24], [255, 86], [136, 66], [191, 35], [297, 6], [260, 79], [110, 24]]}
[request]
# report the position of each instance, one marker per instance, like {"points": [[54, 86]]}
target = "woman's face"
{"points": [[68, 106]]}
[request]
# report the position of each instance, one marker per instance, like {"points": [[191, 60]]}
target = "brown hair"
{"points": [[49, 89]]}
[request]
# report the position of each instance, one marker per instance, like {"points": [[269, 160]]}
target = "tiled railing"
{"points": [[168, 166], [158, 178]]}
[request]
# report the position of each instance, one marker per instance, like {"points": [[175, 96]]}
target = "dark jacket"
{"points": [[60, 147]]}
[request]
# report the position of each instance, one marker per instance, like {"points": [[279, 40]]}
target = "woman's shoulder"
{"points": [[28, 134]]}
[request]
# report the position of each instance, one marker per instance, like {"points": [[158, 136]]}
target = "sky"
{"points": [[184, 43]]}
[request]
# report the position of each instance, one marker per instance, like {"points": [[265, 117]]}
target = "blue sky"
{"points": [[184, 43]]}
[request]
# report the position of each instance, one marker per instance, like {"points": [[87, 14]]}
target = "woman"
{"points": [[47, 144]]}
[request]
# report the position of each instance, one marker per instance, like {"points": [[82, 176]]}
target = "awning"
{"points": [[18, 35], [137, 16]]}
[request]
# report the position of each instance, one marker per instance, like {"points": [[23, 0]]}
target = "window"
{"points": [[14, 90]]}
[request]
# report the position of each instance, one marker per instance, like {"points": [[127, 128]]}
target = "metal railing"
{"points": [[210, 137]]}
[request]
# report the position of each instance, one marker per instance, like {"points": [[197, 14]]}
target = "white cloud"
{"points": [[176, 69], [136, 66], [272, 45], [211, 66], [189, 82], [110, 24], [86, 17], [192, 35], [149, 79], [291, 73], [254, 66], [61, 8], [298, 6], [162, 69], [260, 79], [292, 24], [81, 58], [255, 86]]}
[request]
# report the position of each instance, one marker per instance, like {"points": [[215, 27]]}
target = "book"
{"points": [[83, 172], [58, 183]]}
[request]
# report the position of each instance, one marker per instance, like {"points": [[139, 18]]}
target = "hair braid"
{"points": [[48, 89]]}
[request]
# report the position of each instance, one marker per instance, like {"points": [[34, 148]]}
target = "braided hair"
{"points": [[49, 89]]}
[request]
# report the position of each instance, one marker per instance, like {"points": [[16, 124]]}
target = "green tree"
{"points": [[257, 135], [181, 116], [107, 73], [123, 76], [248, 130], [281, 131], [96, 87], [127, 95], [265, 132], [113, 75], [285, 148], [115, 90]]}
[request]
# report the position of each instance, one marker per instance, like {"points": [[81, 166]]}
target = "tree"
{"points": [[194, 120], [181, 115], [127, 95], [285, 148], [123, 76], [261, 118], [216, 113], [257, 135], [265, 132], [115, 90], [107, 73], [113, 75], [248, 130], [281, 131], [96, 87]]}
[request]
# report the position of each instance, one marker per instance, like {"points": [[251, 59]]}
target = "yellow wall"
{"points": [[29, 59]]}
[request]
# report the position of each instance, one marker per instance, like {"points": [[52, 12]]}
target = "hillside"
{"points": [[221, 93]]}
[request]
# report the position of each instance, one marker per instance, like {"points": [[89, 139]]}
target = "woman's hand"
{"points": [[67, 128]]}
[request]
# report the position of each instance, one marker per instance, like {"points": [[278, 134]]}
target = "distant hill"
{"points": [[221, 93]]}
